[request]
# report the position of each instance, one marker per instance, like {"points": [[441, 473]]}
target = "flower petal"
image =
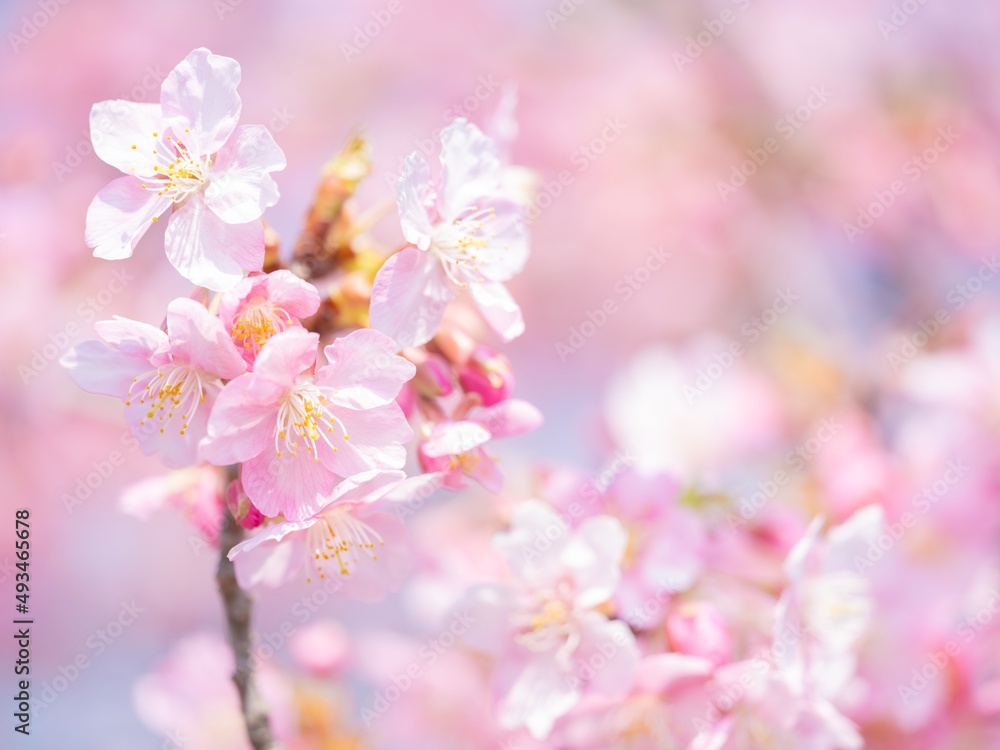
{"points": [[293, 485], [97, 368], [412, 192], [498, 308], [295, 296], [198, 336], [469, 163], [209, 252], [409, 297], [364, 369], [374, 441], [119, 216], [452, 438], [201, 91], [369, 577], [243, 421], [286, 356], [268, 559], [508, 418], [241, 188], [122, 134]]}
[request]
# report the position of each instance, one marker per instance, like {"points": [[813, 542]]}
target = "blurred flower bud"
{"points": [[699, 629], [245, 513], [321, 648], [489, 374], [455, 344], [433, 377]]}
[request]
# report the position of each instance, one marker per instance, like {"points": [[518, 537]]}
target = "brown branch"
{"points": [[238, 608]]}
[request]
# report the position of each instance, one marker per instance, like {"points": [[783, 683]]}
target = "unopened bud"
{"points": [[488, 374], [245, 513]]}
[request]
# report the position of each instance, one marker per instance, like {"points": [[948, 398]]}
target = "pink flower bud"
{"points": [[433, 377], [488, 374], [698, 629], [321, 648], [240, 506]]}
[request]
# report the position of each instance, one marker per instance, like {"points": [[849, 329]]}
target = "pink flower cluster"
{"points": [[657, 605]]}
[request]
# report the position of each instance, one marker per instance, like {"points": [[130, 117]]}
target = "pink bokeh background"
{"points": [[680, 128]]}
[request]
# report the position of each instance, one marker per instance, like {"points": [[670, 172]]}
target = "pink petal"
{"points": [[295, 296], [409, 297], [209, 252], [485, 471], [198, 337], [594, 555], [507, 240], [411, 201], [508, 418], [498, 308], [612, 640], [374, 441], [243, 421], [268, 559], [201, 91], [452, 438], [539, 695], [286, 356], [98, 368], [370, 576], [122, 134], [240, 188], [132, 336], [175, 450], [294, 486], [366, 487], [119, 216], [470, 166], [365, 369]]}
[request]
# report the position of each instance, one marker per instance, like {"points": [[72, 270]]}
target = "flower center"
{"points": [[257, 322], [459, 243], [547, 624], [304, 419], [168, 391], [341, 537], [177, 172]]}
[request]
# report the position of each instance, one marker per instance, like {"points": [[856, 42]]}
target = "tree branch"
{"points": [[238, 608]]}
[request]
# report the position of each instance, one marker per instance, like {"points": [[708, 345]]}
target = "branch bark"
{"points": [[238, 608]]}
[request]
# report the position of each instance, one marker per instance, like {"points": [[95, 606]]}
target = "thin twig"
{"points": [[238, 608]]}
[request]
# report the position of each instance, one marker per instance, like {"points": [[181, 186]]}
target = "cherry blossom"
{"points": [[187, 154], [296, 428], [464, 233], [169, 380], [262, 305]]}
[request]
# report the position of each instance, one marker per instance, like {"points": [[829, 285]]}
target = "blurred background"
{"points": [[821, 179]]}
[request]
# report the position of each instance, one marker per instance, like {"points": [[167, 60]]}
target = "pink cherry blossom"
{"points": [[454, 450], [552, 642], [352, 538], [186, 153], [465, 233], [296, 430], [168, 381], [262, 305]]}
